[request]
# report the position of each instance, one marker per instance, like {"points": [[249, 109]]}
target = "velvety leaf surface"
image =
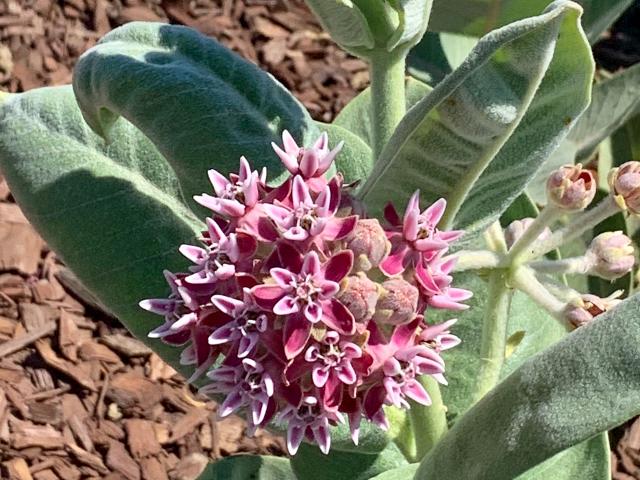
{"points": [[477, 17], [356, 117], [344, 21], [199, 103], [438, 54], [583, 385], [401, 473], [481, 134], [249, 467], [311, 464], [114, 212]]}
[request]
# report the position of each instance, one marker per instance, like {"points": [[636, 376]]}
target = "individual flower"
{"points": [[571, 187], [434, 281], [611, 255], [516, 228], [216, 261], [308, 297], [624, 182], [310, 163], [582, 310], [418, 238], [438, 337], [233, 196], [369, 244]]}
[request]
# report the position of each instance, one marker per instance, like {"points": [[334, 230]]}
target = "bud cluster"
{"points": [[301, 311]]}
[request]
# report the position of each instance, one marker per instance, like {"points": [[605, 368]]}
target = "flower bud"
{"points": [[571, 188], [359, 295], [369, 244], [624, 183], [611, 255], [516, 228], [581, 311], [398, 302]]}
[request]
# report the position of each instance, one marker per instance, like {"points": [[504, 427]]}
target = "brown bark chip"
{"points": [[17, 469], [141, 438], [119, 460]]}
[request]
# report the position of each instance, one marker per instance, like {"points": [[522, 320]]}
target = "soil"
{"points": [[79, 397]]}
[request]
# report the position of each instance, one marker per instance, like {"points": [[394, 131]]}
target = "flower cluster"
{"points": [[301, 311]]}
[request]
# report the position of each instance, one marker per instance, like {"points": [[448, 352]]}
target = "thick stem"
{"points": [[580, 224], [526, 243], [388, 105], [476, 260], [574, 265], [429, 423], [524, 279], [494, 333]]}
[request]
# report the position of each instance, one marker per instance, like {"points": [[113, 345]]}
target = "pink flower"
{"points": [[217, 260], [307, 297], [247, 322], [434, 282], [417, 238], [244, 384], [234, 196], [308, 218], [311, 163], [438, 336]]}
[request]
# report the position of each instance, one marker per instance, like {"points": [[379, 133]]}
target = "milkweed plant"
{"points": [[437, 285]]}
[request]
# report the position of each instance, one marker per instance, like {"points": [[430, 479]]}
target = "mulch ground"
{"points": [[79, 397]]}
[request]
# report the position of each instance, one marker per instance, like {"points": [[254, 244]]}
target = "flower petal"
{"points": [[286, 306], [338, 266], [338, 317], [297, 331]]}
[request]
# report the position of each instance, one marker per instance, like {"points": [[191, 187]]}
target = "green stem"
{"points": [[526, 243], [476, 260], [388, 105], [429, 423], [573, 265], [524, 279], [494, 333]]}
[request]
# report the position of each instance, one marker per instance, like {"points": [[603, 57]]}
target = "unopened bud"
{"points": [[571, 188], [624, 183], [359, 295], [582, 310], [611, 255], [398, 302], [369, 244], [516, 228]]}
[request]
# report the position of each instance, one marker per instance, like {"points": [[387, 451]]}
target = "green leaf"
{"points": [[249, 467], [481, 134], [114, 212], [413, 17], [477, 17], [345, 23], [199, 103], [356, 117], [355, 161], [613, 101], [310, 464], [401, 473], [438, 54], [590, 459], [585, 384]]}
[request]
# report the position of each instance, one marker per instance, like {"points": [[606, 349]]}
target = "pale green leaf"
{"points": [[114, 212], [405, 472], [438, 54], [345, 22], [481, 134], [249, 467], [199, 103], [585, 384], [413, 16]]}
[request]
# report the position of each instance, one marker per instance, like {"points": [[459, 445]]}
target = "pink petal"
{"points": [[320, 376], [311, 264], [410, 225], [289, 161], [250, 190], [289, 143], [246, 344], [354, 426], [230, 404], [429, 244], [218, 181], [300, 192], [223, 334], [322, 438], [266, 296], [245, 169], [327, 160], [416, 392], [322, 141], [434, 212], [159, 306], [284, 278], [339, 227], [225, 271], [394, 263], [297, 331], [286, 306], [215, 232], [338, 317], [296, 234], [346, 373], [309, 163], [295, 433], [193, 253], [338, 266], [312, 312]]}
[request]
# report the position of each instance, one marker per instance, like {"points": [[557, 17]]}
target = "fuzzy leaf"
{"points": [[310, 464], [114, 212], [585, 384], [477, 17], [438, 54], [198, 102], [249, 467], [413, 16], [481, 134], [345, 22]]}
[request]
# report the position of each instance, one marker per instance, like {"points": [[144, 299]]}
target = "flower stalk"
{"points": [[429, 424]]}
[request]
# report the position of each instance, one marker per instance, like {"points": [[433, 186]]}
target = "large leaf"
{"points": [[356, 116], [438, 54], [587, 383], [198, 102], [482, 133], [249, 467], [613, 101], [477, 17], [113, 211], [310, 464]]}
